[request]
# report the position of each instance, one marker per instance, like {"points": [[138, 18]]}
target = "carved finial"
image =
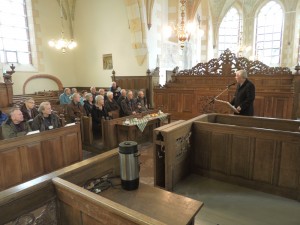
{"points": [[297, 68], [148, 72]]}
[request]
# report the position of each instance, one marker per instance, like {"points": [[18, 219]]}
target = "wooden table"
{"points": [[156, 203], [133, 133]]}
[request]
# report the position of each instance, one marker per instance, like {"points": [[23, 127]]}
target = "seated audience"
{"points": [[46, 119], [111, 104], [102, 92], [115, 89], [64, 98], [98, 113], [121, 98], [75, 109], [128, 105], [94, 93], [141, 102], [88, 104], [15, 125], [28, 109], [3, 117]]}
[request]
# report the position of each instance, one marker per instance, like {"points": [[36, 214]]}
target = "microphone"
{"points": [[228, 86], [212, 101]]}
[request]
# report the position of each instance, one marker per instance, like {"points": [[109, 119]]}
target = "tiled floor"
{"points": [[226, 204]]}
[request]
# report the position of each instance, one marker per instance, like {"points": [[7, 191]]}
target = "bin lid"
{"points": [[128, 147]]}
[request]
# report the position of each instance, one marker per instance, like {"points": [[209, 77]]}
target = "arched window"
{"points": [[14, 32], [268, 34], [229, 31]]}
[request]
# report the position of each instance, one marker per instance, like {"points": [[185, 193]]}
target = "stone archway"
{"points": [[47, 76]]}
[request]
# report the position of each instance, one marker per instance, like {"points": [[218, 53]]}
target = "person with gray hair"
{"points": [[110, 103], [94, 93], [75, 109], [141, 102], [64, 98], [102, 92], [98, 113], [128, 105], [115, 89], [46, 120], [28, 109], [15, 126], [244, 95], [88, 104]]}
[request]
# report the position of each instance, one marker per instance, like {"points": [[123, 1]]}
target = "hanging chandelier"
{"points": [[62, 44], [183, 30]]}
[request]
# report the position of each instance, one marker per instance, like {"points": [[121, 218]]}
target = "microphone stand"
{"points": [[226, 89]]}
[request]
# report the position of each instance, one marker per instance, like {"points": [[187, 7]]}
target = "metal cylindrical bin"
{"points": [[129, 165]]}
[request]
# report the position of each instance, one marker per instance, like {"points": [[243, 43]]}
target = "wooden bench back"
{"points": [[27, 157], [80, 206]]}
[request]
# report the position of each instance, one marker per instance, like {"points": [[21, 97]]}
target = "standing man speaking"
{"points": [[244, 95]]}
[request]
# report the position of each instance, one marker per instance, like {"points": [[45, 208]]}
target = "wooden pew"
{"points": [[66, 202], [27, 157], [172, 145], [79, 206], [87, 130], [110, 129], [35, 194], [256, 152]]}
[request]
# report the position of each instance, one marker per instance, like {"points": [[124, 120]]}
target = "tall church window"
{"points": [[14, 32], [269, 23], [229, 31]]}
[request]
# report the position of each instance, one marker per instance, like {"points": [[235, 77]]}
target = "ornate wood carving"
{"points": [[227, 64]]}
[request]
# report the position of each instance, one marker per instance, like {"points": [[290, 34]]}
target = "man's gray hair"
{"points": [[243, 73], [12, 110], [29, 99], [109, 93], [65, 90], [73, 95], [42, 106]]}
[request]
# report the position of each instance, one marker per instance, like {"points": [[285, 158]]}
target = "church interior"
{"points": [[150, 112]]}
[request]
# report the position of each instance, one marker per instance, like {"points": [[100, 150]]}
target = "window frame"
{"points": [[272, 40], [239, 31], [33, 64]]}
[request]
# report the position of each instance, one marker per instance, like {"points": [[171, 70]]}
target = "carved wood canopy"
{"points": [[227, 64]]}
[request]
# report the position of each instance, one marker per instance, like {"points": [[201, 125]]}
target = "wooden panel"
{"points": [[173, 102], [264, 159], [88, 220], [69, 215], [51, 150], [280, 107], [10, 168], [201, 145], [219, 152], [240, 156], [188, 102], [71, 149], [6, 93], [289, 174], [32, 161], [259, 106]]}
